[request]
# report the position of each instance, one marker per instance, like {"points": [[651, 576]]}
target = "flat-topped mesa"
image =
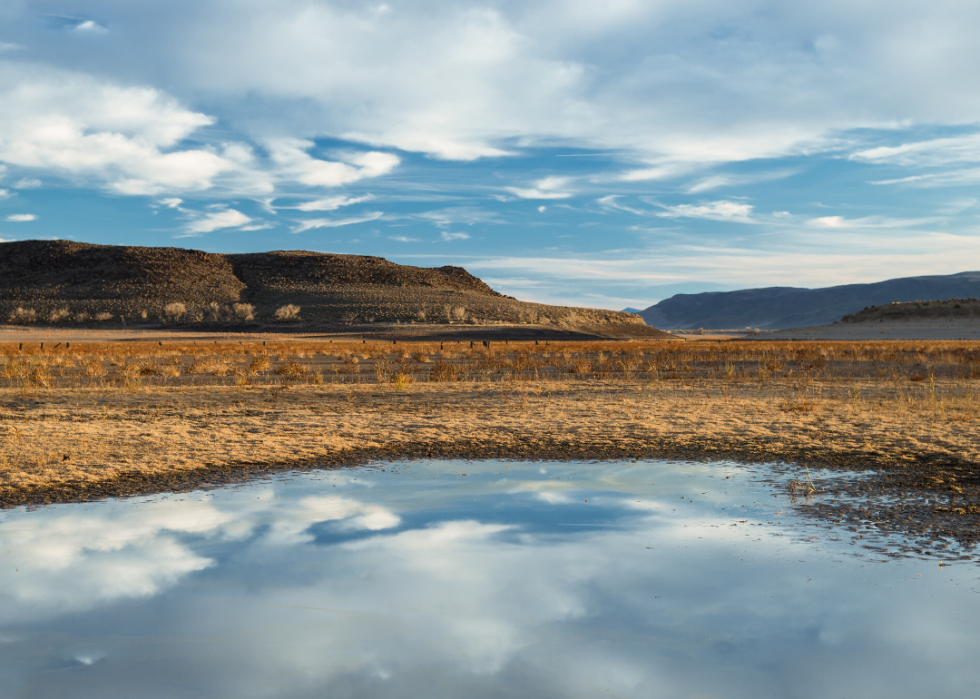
{"points": [[59, 282], [297, 270], [37, 270], [909, 311]]}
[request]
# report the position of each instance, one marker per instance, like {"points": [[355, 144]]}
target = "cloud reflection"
{"points": [[482, 587]]}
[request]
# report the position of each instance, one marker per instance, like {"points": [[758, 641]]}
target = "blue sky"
{"points": [[605, 154]]}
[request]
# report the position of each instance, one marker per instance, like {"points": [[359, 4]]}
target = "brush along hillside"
{"points": [[61, 282], [917, 311]]}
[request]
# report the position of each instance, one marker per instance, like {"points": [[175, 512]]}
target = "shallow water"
{"points": [[453, 579]]}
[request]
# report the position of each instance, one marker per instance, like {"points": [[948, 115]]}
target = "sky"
{"points": [[604, 154]]}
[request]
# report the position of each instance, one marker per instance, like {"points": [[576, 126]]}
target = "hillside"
{"points": [[915, 311], [62, 282], [786, 307]]}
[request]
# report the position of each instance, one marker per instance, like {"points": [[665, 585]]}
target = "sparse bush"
{"points": [[259, 364], [15, 369], [93, 368], [81, 317], [103, 317], [208, 365], [287, 312], [214, 312], [23, 316], [244, 312], [459, 313], [59, 315], [39, 376], [173, 312], [420, 316], [291, 370]]}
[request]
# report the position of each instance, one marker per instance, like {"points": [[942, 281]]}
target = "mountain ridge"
{"points": [[776, 308]]}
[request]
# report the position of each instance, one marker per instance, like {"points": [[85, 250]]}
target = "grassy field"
{"points": [[94, 419]]}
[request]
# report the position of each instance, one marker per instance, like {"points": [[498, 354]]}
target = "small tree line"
{"points": [[174, 312]]}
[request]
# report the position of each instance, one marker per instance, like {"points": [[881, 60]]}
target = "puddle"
{"points": [[452, 579]]}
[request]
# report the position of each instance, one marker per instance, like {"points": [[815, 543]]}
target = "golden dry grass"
{"points": [[89, 414]]}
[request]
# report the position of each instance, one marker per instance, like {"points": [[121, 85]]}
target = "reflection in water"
{"points": [[458, 579]]}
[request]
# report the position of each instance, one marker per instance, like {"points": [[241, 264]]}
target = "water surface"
{"points": [[457, 579]]}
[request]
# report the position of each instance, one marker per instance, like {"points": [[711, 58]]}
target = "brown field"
{"points": [[97, 419]]}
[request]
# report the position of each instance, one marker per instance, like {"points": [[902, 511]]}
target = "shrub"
{"points": [[23, 316], [287, 312], [15, 369], [39, 375], [244, 312], [58, 316], [103, 317], [291, 370], [214, 312], [174, 311]]}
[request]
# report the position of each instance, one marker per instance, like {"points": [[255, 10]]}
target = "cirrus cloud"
{"points": [[714, 211]]}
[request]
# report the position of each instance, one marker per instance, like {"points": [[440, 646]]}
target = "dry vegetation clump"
{"points": [[291, 370], [22, 316], [289, 312]]}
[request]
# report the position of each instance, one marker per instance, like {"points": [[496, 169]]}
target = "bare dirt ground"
{"points": [[117, 418]]}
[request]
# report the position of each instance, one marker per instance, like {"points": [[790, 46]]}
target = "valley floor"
{"points": [[131, 418], [124, 418]]}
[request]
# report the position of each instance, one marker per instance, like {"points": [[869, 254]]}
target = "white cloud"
{"points": [[868, 222], [446, 235], [930, 153], [4, 193], [402, 239], [734, 180], [28, 183], [542, 209], [21, 218], [828, 222], [171, 202], [458, 215], [547, 188], [332, 203], [611, 203], [295, 163], [716, 211], [496, 78], [126, 138], [226, 218], [336, 222], [89, 26]]}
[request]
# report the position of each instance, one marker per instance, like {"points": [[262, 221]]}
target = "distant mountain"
{"points": [[630, 309], [775, 308]]}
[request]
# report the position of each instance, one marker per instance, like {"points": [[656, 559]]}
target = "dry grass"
{"points": [[91, 412]]}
